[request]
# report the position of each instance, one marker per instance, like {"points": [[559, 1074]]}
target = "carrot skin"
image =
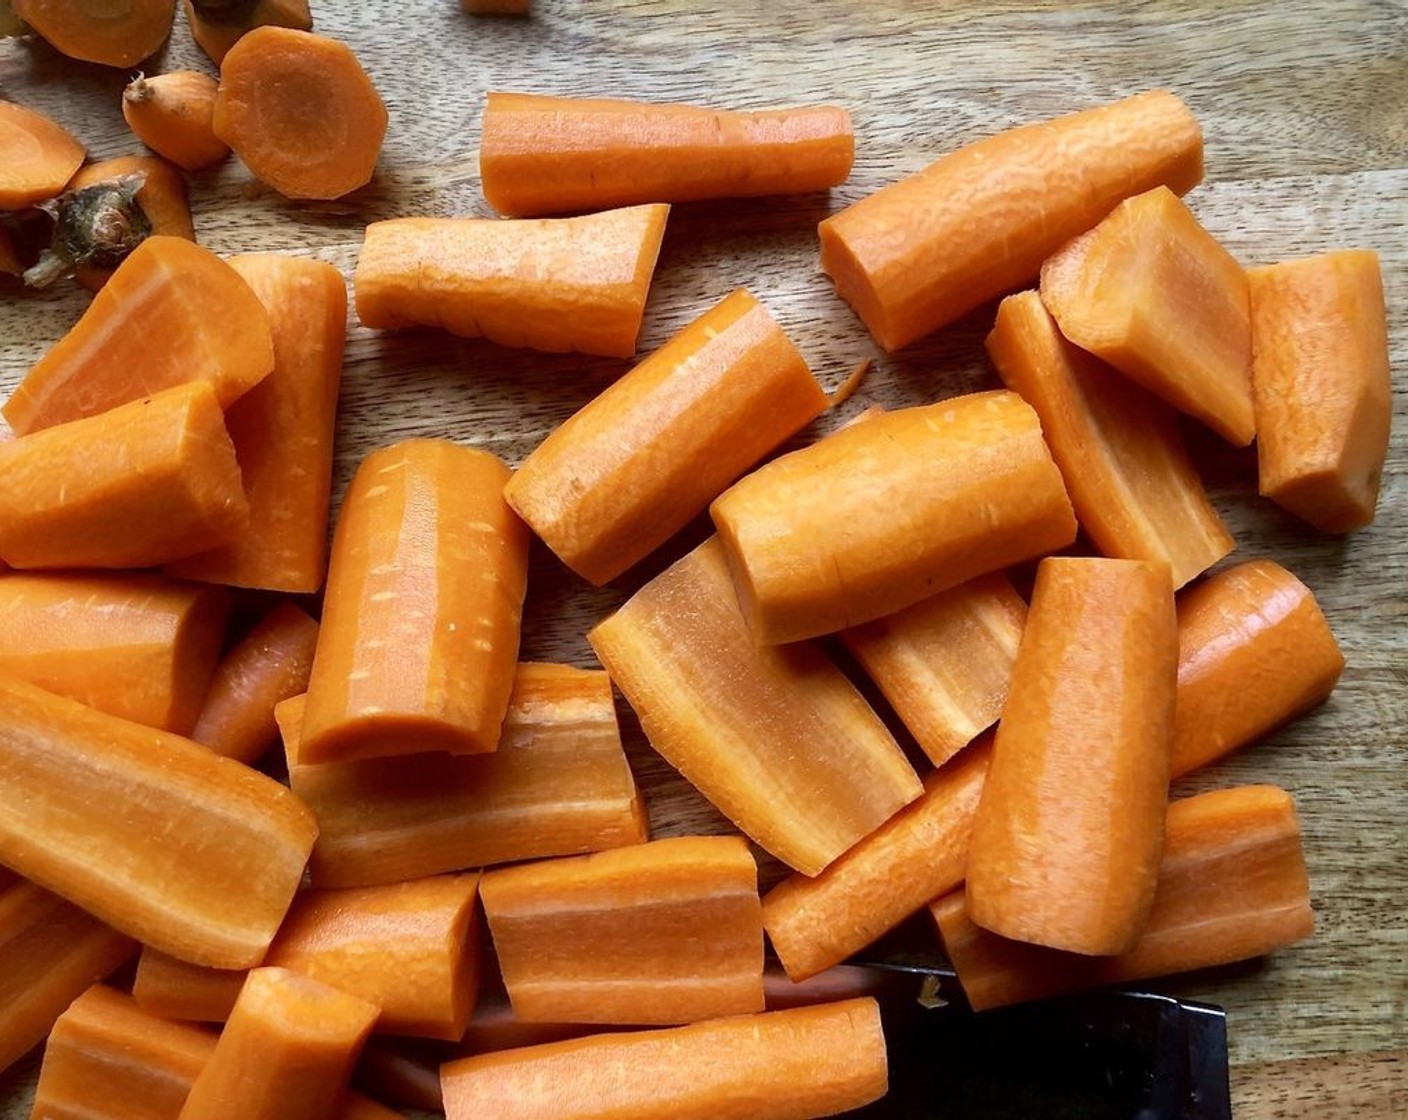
{"points": [[172, 114], [163, 199], [39, 157], [108, 34]]}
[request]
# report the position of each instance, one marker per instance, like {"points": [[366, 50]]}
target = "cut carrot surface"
{"points": [[548, 155], [775, 737], [162, 199], [120, 34], [172, 114], [640, 461], [37, 157], [555, 284], [882, 514], [217, 25], [1133, 486]]}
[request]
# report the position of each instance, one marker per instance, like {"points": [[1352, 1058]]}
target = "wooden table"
{"points": [[1305, 109]]}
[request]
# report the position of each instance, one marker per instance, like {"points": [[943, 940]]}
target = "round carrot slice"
{"points": [[37, 157]]}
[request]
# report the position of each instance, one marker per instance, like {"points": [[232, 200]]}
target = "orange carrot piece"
{"points": [[559, 784], [162, 199], [979, 221], [1066, 842], [134, 646], [163, 840], [271, 664], [1254, 650], [555, 284], [50, 953], [775, 736], [883, 514], [145, 483], [283, 430], [110, 34], [1152, 293], [173, 989], [37, 157], [917, 855], [806, 1062], [644, 458], [945, 663], [1232, 885], [300, 112], [165, 290], [1133, 486], [1324, 397], [218, 26], [419, 639], [172, 114], [548, 155]]}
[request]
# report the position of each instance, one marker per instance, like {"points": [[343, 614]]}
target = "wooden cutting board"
{"points": [[1305, 110]]}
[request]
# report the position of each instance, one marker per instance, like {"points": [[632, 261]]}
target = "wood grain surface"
{"points": [[1305, 110]]}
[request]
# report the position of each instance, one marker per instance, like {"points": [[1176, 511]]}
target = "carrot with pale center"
{"points": [[37, 157], [173, 115], [978, 222], [882, 514], [639, 462], [162, 199], [217, 25], [555, 284], [774, 736], [120, 34]]}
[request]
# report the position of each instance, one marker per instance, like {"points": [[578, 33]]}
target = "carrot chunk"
{"points": [[640, 461], [37, 157], [110, 34], [162, 200], [173, 115], [173, 989], [217, 25]]}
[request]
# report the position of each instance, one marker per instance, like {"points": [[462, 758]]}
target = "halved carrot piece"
{"points": [[172, 114], [145, 483], [1324, 397], [419, 636], [1133, 486], [775, 736], [37, 157], [283, 431], [1254, 650], [639, 462], [162, 199], [1232, 885], [549, 155], [163, 840], [119, 34], [217, 25], [210, 327], [555, 284], [882, 514], [945, 663], [173, 989], [134, 646], [979, 221]]}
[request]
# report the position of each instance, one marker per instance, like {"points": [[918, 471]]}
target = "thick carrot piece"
{"points": [[268, 666], [1133, 486], [162, 200], [555, 284], [882, 514], [217, 25], [173, 989], [173, 115], [804, 1063], [1066, 843], [155, 835], [1232, 885], [109, 34], [145, 483], [1324, 397], [945, 663], [37, 157], [283, 431], [1254, 650], [419, 638], [978, 222], [775, 736], [550, 155], [640, 461], [917, 855], [559, 784]]}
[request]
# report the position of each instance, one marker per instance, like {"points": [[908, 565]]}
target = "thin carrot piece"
{"points": [[978, 222], [917, 855], [559, 784], [300, 112], [1323, 393], [1232, 885], [37, 157], [110, 34], [806, 1062], [555, 284], [134, 646], [217, 25], [173, 989], [283, 431], [161, 198], [271, 664], [145, 483], [419, 639], [775, 736], [639, 462], [945, 663], [173, 115], [1254, 650], [163, 840], [849, 387], [1066, 842], [549, 155], [882, 514], [1133, 486]]}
